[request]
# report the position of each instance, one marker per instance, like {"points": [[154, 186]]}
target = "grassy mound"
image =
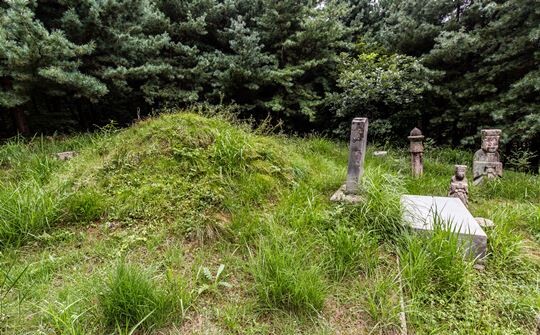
{"points": [[192, 224]]}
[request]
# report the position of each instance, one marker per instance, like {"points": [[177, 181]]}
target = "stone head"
{"points": [[460, 171], [490, 140]]}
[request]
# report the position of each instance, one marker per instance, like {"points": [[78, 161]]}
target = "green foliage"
{"points": [[211, 282], [435, 264], [36, 62], [487, 55], [25, 210], [350, 252], [260, 205], [381, 301], [132, 298], [124, 58], [85, 206], [388, 88], [67, 319], [284, 280]]}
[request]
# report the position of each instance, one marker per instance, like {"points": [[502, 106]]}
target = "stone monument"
{"points": [[357, 152], [459, 188], [486, 162], [417, 151], [423, 213]]}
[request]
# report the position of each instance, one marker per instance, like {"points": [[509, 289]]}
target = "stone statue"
{"points": [[486, 162], [417, 151], [459, 188]]}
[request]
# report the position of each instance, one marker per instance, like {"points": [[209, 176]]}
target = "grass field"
{"points": [[186, 224]]}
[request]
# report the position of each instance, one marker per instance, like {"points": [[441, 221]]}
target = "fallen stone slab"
{"points": [[380, 153], [421, 212]]}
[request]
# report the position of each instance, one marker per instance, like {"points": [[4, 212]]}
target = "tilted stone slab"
{"points": [[420, 212]]}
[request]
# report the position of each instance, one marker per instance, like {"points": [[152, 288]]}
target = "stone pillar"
{"points": [[348, 192], [417, 151], [357, 152]]}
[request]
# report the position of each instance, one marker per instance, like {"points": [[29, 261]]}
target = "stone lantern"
{"points": [[417, 151]]}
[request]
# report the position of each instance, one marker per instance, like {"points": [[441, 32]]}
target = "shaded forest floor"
{"points": [[200, 225]]}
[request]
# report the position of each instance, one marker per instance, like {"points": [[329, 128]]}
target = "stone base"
{"points": [[485, 223], [341, 196]]}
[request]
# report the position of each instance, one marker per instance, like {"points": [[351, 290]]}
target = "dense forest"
{"points": [[450, 67]]}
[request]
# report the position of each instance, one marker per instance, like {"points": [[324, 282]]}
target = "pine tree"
{"points": [[37, 62]]}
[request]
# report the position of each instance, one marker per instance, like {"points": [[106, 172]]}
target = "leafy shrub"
{"points": [[521, 160]]}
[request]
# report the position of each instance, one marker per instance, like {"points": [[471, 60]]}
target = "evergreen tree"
{"points": [[36, 63], [131, 41], [487, 51]]}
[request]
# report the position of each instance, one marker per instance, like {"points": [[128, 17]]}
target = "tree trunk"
{"points": [[20, 121]]}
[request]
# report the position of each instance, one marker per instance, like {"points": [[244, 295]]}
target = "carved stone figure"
{"points": [[417, 151], [357, 153], [486, 162], [459, 188]]}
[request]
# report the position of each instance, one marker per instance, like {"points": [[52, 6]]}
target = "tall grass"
{"points": [[381, 301], [381, 211], [26, 209], [349, 252], [132, 298], [286, 279], [436, 263]]}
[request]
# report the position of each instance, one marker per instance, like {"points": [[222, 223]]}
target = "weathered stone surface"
{"points": [[485, 223], [66, 155], [459, 188], [486, 161], [421, 212], [380, 153], [357, 152], [341, 196], [417, 152]]}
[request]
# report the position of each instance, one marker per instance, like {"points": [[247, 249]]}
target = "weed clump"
{"points": [[435, 264], [350, 252], [284, 279], [25, 210], [131, 298]]}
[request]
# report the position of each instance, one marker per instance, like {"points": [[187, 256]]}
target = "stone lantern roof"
{"points": [[416, 134]]}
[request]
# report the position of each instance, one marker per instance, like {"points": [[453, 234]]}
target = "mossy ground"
{"points": [[173, 198]]}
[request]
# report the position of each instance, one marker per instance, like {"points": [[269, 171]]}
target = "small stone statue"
{"points": [[417, 151], [459, 188], [486, 162]]}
